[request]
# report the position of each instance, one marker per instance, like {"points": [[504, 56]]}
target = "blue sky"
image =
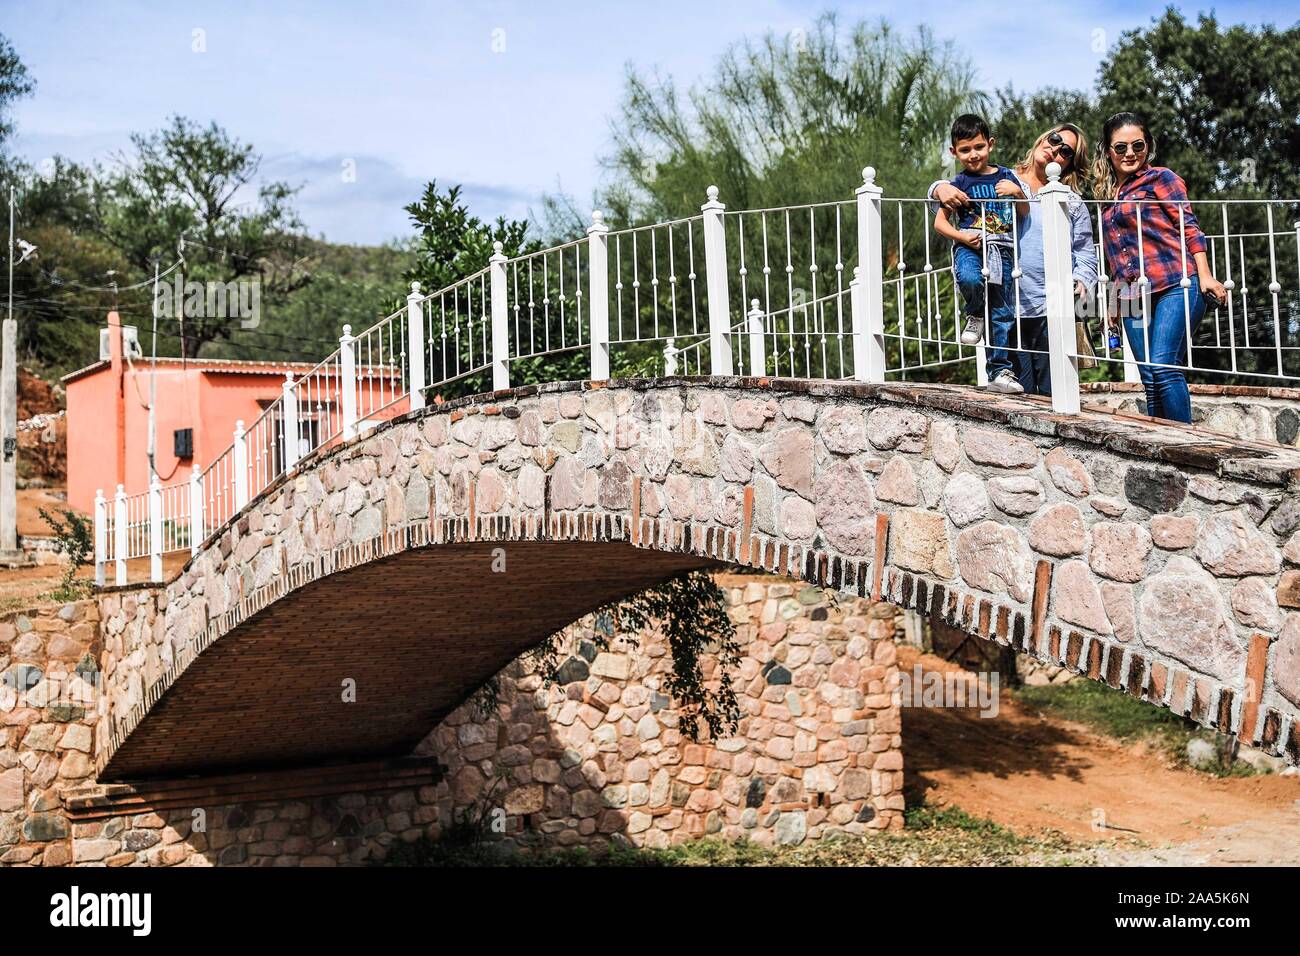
{"points": [[406, 92]]}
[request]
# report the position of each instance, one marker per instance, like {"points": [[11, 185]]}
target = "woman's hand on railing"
{"points": [[1009, 188], [950, 197], [1212, 288]]}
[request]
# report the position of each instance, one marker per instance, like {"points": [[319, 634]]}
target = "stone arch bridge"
{"points": [[361, 597]]}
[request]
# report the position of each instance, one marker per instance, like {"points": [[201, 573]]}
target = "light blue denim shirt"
{"points": [[1029, 235]]}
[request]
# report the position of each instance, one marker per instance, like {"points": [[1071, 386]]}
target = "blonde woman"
{"points": [[1066, 145]]}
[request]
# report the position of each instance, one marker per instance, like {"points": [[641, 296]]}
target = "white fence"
{"points": [[822, 290]]}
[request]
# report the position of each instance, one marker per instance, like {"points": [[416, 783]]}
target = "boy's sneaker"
{"points": [[974, 330], [1006, 381]]}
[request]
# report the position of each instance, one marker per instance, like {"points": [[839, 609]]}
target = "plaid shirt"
{"points": [[1161, 254]]}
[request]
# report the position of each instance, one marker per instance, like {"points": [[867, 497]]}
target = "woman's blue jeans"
{"points": [[1032, 365], [1166, 388]]}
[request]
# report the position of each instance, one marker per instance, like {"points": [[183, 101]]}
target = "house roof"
{"points": [[225, 366]]}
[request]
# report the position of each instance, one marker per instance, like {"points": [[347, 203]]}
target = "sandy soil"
{"points": [[1035, 773], [30, 501]]}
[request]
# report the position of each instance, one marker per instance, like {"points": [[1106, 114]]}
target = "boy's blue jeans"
{"points": [[1001, 304], [1166, 388]]}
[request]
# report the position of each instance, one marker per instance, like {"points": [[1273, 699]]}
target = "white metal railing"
{"points": [[856, 289], [1254, 332], [455, 324]]}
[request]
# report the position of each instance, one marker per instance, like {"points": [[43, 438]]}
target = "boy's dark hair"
{"points": [[968, 126]]}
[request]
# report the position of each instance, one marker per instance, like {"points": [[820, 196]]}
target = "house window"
{"points": [[183, 443]]}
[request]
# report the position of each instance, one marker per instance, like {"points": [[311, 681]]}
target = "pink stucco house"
{"points": [[198, 403]]}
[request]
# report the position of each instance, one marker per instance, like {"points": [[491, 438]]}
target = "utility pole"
{"points": [[9, 417], [153, 382]]}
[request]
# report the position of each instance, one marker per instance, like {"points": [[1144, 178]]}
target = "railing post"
{"points": [[155, 530], [1058, 278], [757, 345], [715, 266], [119, 535], [101, 537], [348, 386], [289, 428], [196, 510], [415, 346], [670, 358], [1131, 373], [867, 290], [240, 456], [500, 320], [598, 291]]}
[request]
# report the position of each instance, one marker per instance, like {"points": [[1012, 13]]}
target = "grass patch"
{"points": [[926, 817], [1125, 718], [932, 837]]}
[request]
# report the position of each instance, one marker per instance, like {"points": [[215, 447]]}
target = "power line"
{"points": [[284, 336]]}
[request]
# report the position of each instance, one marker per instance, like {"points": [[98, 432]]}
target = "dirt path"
{"points": [[1034, 773], [1270, 840], [29, 503], [22, 588]]}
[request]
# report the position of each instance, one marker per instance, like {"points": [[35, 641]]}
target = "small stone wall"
{"points": [[49, 669], [307, 826]]}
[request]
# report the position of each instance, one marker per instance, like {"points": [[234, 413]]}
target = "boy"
{"points": [[989, 223]]}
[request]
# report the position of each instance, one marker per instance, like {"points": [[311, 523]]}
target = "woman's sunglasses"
{"points": [[1138, 146], [1057, 143]]}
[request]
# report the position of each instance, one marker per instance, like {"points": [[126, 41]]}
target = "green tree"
{"points": [[198, 184], [789, 120], [15, 83], [1223, 103], [452, 244], [350, 285]]}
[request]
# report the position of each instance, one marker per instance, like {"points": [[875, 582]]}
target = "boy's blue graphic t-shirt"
{"points": [[998, 218]]}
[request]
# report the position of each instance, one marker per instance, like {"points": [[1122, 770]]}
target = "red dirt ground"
{"points": [[1033, 773]]}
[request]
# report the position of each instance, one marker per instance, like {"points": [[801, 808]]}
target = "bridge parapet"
{"points": [[1160, 560]]}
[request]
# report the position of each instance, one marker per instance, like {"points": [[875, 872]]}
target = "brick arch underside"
{"points": [[436, 623]]}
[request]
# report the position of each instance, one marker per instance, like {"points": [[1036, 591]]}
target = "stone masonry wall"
{"points": [[327, 830], [135, 654], [818, 747], [49, 668]]}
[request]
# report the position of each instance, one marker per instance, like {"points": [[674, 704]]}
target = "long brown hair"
{"points": [[1105, 184], [1077, 176]]}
